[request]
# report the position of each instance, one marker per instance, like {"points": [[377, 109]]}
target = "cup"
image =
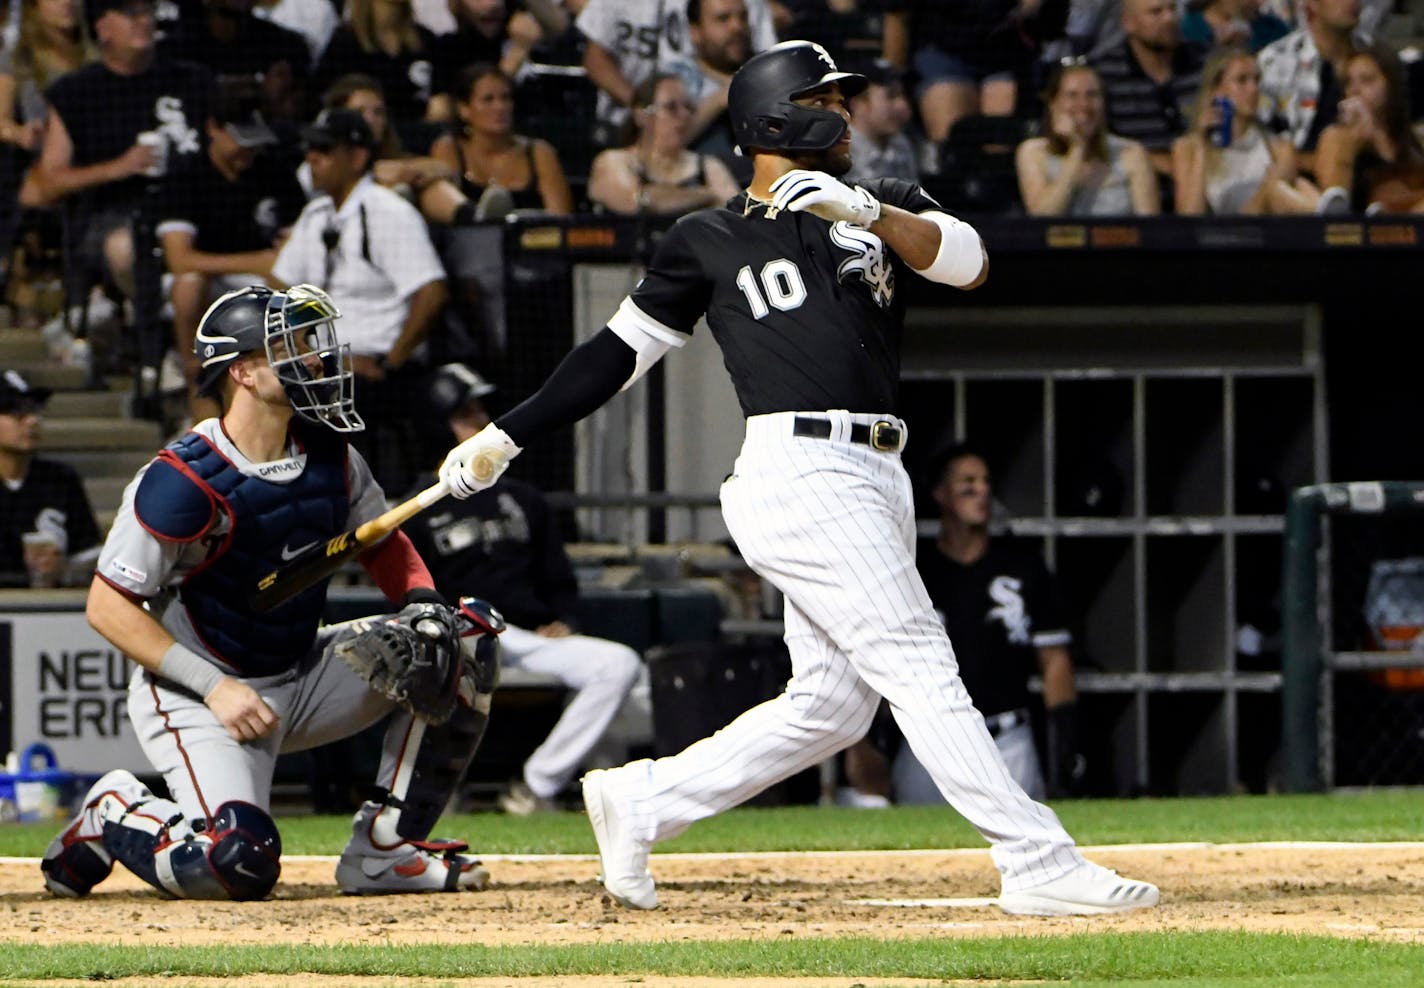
{"points": [[44, 559], [158, 141], [1222, 133]]}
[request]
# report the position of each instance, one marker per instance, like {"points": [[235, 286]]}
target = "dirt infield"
{"points": [[1341, 890]]}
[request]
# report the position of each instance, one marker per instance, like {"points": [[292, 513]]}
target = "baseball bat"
{"points": [[324, 558]]}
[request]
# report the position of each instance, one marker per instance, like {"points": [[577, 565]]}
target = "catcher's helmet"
{"points": [[761, 98], [296, 330], [233, 325]]}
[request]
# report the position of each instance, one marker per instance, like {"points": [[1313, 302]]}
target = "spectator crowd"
{"points": [[153, 156]]}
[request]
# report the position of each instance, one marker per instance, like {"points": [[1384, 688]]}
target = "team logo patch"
{"points": [[867, 261]]}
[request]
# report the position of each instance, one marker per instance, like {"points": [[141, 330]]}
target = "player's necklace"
{"points": [[754, 203]]}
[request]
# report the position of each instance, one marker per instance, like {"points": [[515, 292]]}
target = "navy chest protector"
{"points": [[179, 500]]}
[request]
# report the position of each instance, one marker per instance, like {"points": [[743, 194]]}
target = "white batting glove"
{"points": [[478, 462], [824, 196]]}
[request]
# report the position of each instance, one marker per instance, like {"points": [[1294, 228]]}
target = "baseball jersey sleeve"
{"points": [[133, 558], [672, 295], [598, 22], [1044, 605], [368, 500]]}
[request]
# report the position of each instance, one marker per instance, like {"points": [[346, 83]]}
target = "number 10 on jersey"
{"points": [[781, 285]]}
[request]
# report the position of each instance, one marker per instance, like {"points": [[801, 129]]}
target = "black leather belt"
{"points": [[1006, 721], [884, 435]]}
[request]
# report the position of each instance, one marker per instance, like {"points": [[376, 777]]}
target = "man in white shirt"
{"points": [[370, 250], [1301, 74], [629, 40]]}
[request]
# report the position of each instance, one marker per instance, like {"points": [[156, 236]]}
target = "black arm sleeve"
{"points": [[583, 382]]}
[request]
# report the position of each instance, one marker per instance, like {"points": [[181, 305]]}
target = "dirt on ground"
{"points": [[1369, 891]]}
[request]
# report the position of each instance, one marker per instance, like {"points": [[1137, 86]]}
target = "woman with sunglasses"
{"points": [[655, 173]]}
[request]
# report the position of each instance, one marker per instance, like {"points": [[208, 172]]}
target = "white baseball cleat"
{"points": [[76, 860], [414, 866], [622, 858], [1087, 890]]}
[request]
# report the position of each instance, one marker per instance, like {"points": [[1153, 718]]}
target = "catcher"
{"points": [[220, 690]]}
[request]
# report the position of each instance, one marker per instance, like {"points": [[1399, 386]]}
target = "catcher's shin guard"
{"points": [[435, 758], [235, 858]]}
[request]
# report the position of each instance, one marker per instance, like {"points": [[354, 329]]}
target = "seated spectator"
{"points": [[966, 57], [423, 179], [220, 223], [1151, 80], [1371, 156], [50, 41], [381, 39], [655, 173], [721, 43], [315, 20], [503, 545], [1232, 23], [1301, 73], [486, 31], [880, 147], [114, 127], [366, 246], [48, 535], [661, 38], [491, 160], [1078, 168], [1254, 173], [242, 50]]}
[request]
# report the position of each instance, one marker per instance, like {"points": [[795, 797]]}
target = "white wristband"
{"points": [[961, 253], [185, 667]]}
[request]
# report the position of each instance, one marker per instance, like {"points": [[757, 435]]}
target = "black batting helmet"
{"points": [[233, 325], [761, 99]]}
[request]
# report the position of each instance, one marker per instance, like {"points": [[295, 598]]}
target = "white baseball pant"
{"points": [[601, 673], [831, 523]]}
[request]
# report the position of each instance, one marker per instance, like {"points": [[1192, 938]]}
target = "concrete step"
{"points": [[100, 434], [49, 374], [105, 493], [92, 463], [18, 345], [90, 404]]}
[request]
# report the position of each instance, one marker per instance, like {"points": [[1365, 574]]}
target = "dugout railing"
{"points": [[1353, 670]]}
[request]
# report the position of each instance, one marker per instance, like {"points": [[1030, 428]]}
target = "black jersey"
{"points": [[999, 611], [805, 311], [231, 217], [50, 497]]}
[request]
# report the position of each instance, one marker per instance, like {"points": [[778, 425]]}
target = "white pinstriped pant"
{"points": [[831, 524]]}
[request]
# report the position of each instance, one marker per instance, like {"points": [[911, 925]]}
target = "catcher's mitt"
{"points": [[413, 658]]}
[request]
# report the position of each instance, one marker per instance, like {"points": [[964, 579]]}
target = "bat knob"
{"points": [[482, 467]]}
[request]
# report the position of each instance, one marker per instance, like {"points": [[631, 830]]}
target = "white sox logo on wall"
{"points": [[867, 260]]}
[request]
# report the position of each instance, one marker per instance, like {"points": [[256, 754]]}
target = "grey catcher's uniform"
{"points": [[809, 324]]}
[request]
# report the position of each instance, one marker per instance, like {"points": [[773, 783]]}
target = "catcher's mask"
{"points": [[309, 359], [761, 100]]}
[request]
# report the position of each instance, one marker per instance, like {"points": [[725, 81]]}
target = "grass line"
{"points": [[1373, 816], [1144, 957]]}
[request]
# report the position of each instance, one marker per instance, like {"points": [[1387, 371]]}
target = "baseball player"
{"points": [[1002, 609], [503, 546], [797, 278], [221, 690]]}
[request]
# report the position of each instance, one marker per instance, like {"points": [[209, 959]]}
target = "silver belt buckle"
{"points": [[884, 436]]}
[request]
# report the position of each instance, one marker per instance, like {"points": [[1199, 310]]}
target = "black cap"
{"points": [[882, 73], [452, 385], [338, 127], [16, 393], [237, 110]]}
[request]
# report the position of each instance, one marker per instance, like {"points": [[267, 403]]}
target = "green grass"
{"points": [[1145, 958], [1372, 816]]}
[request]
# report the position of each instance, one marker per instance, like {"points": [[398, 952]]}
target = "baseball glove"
{"points": [[413, 658]]}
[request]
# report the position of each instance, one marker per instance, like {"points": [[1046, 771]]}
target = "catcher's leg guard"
{"points": [[435, 758], [236, 857]]}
